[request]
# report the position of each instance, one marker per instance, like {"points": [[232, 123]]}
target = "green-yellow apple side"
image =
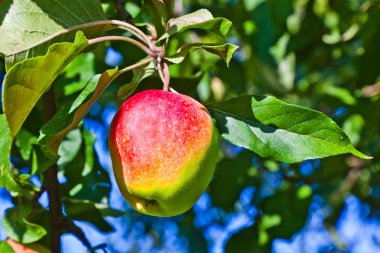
{"points": [[27, 248], [164, 148]]}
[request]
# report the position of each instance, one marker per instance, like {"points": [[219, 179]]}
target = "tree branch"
{"points": [[51, 182]]}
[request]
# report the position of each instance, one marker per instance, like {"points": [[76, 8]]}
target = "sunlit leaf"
{"points": [[27, 81], [226, 51], [72, 112], [200, 19], [7, 179], [281, 131], [28, 27]]}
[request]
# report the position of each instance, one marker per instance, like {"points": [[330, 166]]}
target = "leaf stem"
{"points": [[136, 65], [70, 227], [109, 24], [121, 38]]}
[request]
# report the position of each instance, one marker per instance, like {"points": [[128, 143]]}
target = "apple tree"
{"points": [[250, 63]]}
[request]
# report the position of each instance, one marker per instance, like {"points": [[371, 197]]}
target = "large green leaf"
{"points": [[281, 131], [226, 51], [7, 179], [28, 27], [200, 19], [28, 80], [72, 112], [19, 228]]}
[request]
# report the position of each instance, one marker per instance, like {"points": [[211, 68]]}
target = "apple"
{"points": [[164, 148], [27, 248]]}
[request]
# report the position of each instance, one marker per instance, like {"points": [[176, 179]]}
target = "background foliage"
{"points": [[319, 54]]}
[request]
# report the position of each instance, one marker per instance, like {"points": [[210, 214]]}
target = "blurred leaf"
{"points": [[353, 127], [201, 19], [277, 130], [246, 240], [285, 204], [19, 228], [5, 247], [29, 27], [27, 81], [24, 142], [204, 87], [231, 176], [72, 112], [340, 93], [154, 12], [226, 51], [7, 179], [139, 74], [40, 162], [81, 69], [86, 179], [86, 211], [70, 147], [110, 212]]}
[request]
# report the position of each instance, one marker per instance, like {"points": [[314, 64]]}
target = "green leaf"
{"points": [[27, 81], [226, 51], [70, 147], [5, 247], [230, 178], [24, 142], [152, 12], [200, 19], [72, 112], [280, 209], [86, 179], [139, 74], [28, 27], [7, 179], [40, 162], [277, 130], [19, 228]]}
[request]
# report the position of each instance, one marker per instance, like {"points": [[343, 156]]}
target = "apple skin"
{"points": [[27, 248], [164, 147]]}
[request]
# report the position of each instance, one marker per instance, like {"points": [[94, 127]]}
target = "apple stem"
{"points": [[121, 38], [163, 71], [166, 76]]}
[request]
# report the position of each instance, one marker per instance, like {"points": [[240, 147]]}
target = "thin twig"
{"points": [[121, 38], [35, 199], [112, 24], [68, 225], [136, 65]]}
